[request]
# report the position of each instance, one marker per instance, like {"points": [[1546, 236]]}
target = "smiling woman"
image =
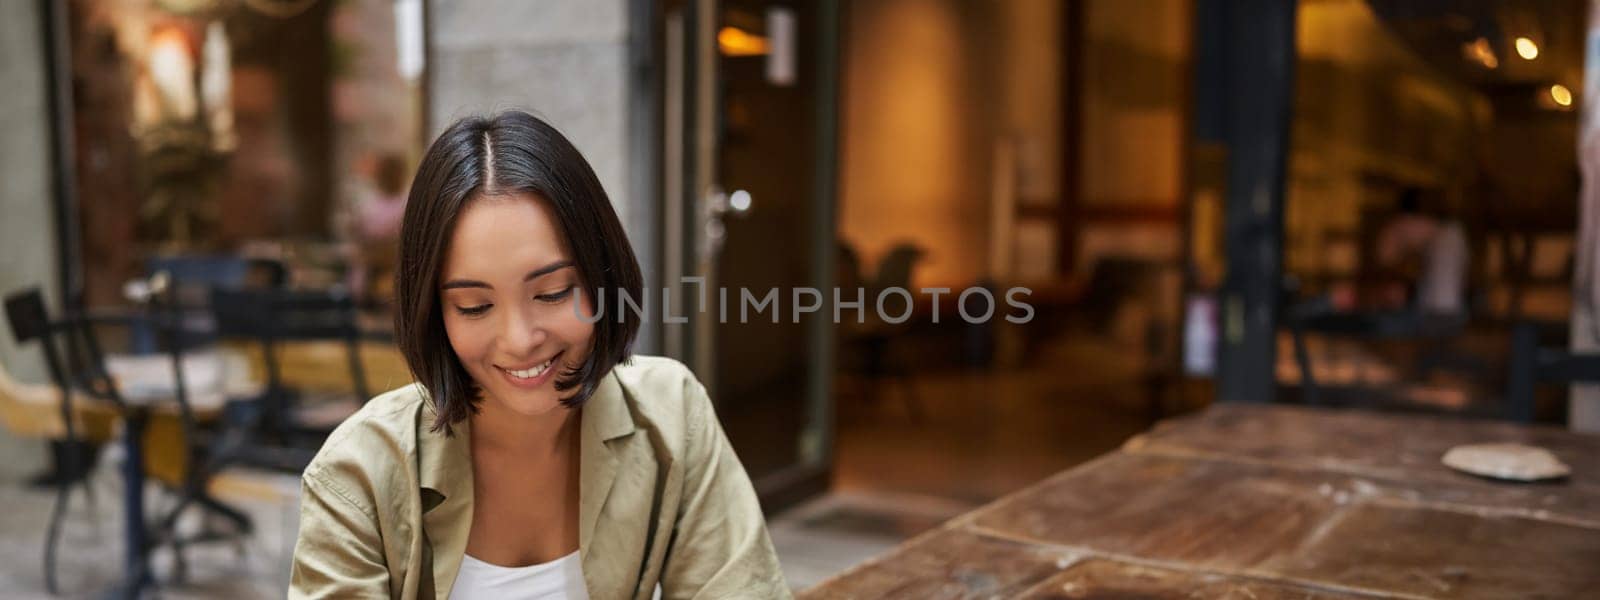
{"points": [[534, 457]]}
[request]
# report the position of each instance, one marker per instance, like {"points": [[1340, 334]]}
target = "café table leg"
{"points": [[136, 566]]}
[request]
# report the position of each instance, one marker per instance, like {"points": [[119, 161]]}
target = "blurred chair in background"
{"points": [[171, 407], [200, 416], [304, 346], [1533, 363], [65, 415], [315, 333], [193, 276], [867, 349], [33, 411]]}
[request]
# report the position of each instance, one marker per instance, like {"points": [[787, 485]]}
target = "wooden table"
{"points": [[1270, 502]]}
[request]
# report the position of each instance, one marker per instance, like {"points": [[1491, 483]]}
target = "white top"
{"points": [[559, 578]]}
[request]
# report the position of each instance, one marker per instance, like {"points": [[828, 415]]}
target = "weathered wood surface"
{"points": [[1101, 579], [1268, 502], [1398, 452]]}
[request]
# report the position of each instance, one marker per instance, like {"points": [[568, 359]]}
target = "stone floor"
{"points": [[90, 552], [973, 435], [823, 537]]}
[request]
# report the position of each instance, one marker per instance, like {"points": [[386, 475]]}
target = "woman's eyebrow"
{"points": [[547, 269], [534, 274], [464, 283]]}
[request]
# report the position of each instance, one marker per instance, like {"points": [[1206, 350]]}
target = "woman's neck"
{"points": [[499, 430]]}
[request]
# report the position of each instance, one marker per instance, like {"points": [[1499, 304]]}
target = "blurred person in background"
{"points": [[374, 229], [1428, 250]]}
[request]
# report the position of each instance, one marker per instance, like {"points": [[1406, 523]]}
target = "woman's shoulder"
{"points": [[644, 370], [664, 394], [374, 444]]}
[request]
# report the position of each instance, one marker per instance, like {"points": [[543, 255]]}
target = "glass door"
{"points": [[748, 163]]}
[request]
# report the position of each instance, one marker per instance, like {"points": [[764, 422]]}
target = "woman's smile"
{"points": [[534, 376]]}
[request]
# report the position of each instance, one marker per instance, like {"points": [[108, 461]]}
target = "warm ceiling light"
{"points": [[170, 63], [1479, 51], [734, 41], [1561, 95], [1527, 49]]}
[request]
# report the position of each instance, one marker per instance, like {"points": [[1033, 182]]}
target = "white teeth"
{"points": [[531, 373]]}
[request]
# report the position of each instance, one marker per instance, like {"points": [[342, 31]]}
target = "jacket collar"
{"points": [[605, 418], [444, 473], [444, 466]]}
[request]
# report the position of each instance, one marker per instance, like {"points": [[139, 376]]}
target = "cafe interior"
{"points": [[1310, 285]]}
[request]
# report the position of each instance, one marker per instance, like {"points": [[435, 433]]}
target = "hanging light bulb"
{"points": [[1527, 49], [1561, 95]]}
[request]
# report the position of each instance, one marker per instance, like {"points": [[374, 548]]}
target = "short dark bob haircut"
{"points": [[507, 153]]}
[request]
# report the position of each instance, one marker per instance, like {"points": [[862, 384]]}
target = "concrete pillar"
{"points": [[568, 62], [563, 60], [27, 241]]}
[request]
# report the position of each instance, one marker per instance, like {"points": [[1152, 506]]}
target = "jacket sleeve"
{"points": [[720, 547], [339, 553]]}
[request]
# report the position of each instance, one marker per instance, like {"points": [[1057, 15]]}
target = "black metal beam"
{"points": [[1249, 78], [63, 186]]}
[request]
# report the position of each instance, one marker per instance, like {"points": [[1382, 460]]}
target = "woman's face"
{"points": [[507, 294]]}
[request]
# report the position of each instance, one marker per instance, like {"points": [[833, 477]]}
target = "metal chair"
{"points": [[867, 348], [271, 318], [206, 449], [1318, 317], [193, 276], [1532, 364], [25, 311], [78, 365]]}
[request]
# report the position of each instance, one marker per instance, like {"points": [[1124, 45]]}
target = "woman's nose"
{"points": [[522, 333]]}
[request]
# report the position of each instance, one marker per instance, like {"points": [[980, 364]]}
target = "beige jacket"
{"points": [[387, 504]]}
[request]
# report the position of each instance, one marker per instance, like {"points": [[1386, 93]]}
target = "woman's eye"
{"points": [[473, 311], [556, 296]]}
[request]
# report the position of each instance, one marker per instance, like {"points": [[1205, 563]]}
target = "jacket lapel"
{"points": [[445, 471], [605, 418]]}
